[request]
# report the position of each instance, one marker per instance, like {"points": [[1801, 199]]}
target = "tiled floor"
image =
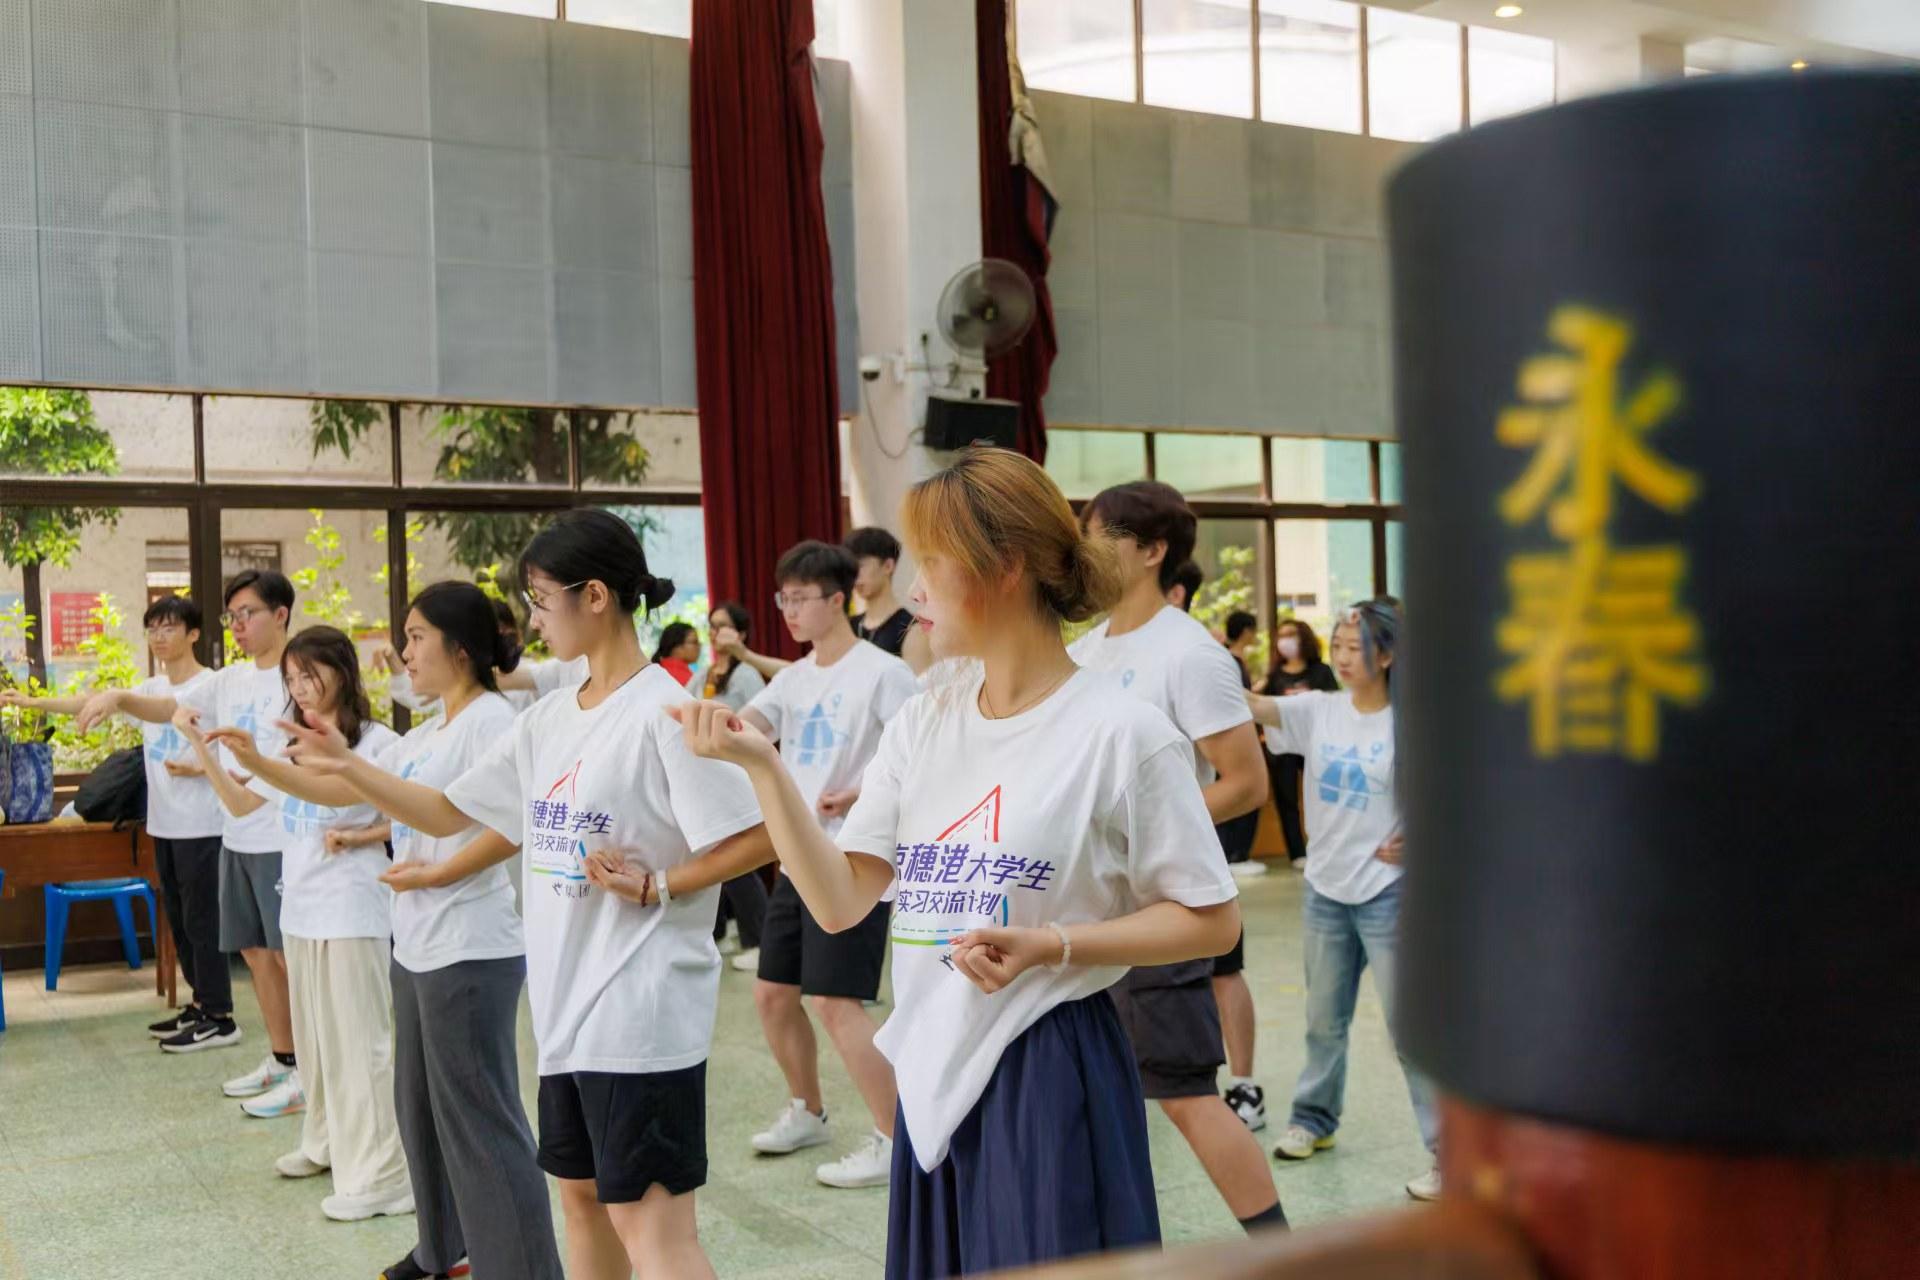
{"points": [[117, 1161]]}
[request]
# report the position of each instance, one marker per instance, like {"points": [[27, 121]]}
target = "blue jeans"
{"points": [[1342, 940]]}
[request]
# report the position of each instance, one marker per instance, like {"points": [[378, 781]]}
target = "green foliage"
{"points": [[492, 445], [51, 433], [115, 665], [326, 598], [1231, 590]]}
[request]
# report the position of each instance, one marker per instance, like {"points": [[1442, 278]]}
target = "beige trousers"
{"points": [[343, 1045]]}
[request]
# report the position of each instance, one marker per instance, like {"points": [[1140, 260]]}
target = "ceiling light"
{"points": [[1799, 64], [1508, 11]]}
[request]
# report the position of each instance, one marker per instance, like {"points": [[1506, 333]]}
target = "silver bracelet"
{"points": [[1066, 946]]}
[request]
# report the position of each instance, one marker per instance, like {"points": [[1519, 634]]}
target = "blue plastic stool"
{"points": [[120, 892]]}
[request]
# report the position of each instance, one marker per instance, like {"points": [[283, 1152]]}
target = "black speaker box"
{"points": [[954, 422]]}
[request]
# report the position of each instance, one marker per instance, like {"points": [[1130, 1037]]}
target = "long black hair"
{"points": [[330, 649], [469, 624], [743, 623], [590, 545], [672, 637]]}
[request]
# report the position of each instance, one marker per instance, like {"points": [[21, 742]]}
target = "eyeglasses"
{"points": [[539, 601], [783, 600], [242, 615], [160, 629]]}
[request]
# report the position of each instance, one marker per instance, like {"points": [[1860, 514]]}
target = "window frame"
{"points": [[204, 500]]}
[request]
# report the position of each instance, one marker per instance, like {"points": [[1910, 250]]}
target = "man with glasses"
{"points": [[184, 820], [826, 711], [251, 695]]}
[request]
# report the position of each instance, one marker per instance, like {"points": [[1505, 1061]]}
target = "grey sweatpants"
{"points": [[477, 1192]]}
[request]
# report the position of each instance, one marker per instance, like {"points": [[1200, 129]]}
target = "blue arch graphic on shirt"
{"points": [[819, 737], [1343, 780]]}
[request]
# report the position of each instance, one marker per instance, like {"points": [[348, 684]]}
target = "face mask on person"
{"points": [[1289, 647]]}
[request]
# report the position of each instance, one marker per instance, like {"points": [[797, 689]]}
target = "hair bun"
{"points": [[1091, 584], [506, 651], [658, 591]]}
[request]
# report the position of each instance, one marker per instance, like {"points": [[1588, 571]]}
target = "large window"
{"points": [[1506, 73], [1289, 527], [1319, 64], [1310, 64], [1196, 55], [361, 502], [1413, 76], [1079, 46]]}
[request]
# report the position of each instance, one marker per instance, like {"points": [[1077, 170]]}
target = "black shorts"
{"points": [[626, 1131], [1237, 835], [1234, 961], [796, 952], [1171, 1018]]}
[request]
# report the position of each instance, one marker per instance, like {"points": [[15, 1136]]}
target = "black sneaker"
{"points": [[177, 1023], [1249, 1102], [408, 1269], [212, 1033]]}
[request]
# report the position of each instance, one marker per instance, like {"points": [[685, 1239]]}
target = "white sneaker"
{"points": [[747, 961], [284, 1099], [868, 1165], [257, 1081], [368, 1204], [729, 945], [1251, 869], [1426, 1186], [295, 1164], [1299, 1143], [795, 1128]]}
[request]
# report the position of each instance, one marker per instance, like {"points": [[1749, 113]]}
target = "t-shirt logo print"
{"points": [[165, 745], [558, 827], [961, 879], [819, 737], [1344, 779]]}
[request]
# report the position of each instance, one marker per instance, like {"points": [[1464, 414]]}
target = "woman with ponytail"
{"points": [[1352, 907], [1045, 831], [459, 961], [627, 836]]}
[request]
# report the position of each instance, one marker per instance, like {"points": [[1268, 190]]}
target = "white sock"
{"points": [[1246, 1080]]}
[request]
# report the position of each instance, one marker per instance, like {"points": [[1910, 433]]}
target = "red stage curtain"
{"points": [[763, 300], [1015, 217]]}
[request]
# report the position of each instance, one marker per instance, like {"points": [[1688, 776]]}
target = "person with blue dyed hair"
{"points": [[1352, 908]]}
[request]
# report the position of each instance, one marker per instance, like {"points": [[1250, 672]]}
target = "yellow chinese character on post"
{"points": [[1597, 633]]}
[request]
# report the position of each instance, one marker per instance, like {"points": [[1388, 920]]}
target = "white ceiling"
{"points": [[1737, 34]]}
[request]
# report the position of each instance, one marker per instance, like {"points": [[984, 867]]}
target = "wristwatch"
{"points": [[660, 889]]}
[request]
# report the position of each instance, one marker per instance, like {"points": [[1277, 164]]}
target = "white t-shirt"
{"points": [[332, 895], [552, 674], [546, 676], [1175, 664], [244, 696], [474, 919], [614, 986], [1083, 808], [1351, 805], [828, 720], [177, 808]]}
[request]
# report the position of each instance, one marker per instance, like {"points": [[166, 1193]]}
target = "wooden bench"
{"points": [[35, 854]]}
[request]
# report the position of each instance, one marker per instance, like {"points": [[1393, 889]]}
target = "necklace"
{"points": [[1012, 711]]}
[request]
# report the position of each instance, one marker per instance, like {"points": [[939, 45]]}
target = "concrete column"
{"points": [[1585, 68], [916, 191]]}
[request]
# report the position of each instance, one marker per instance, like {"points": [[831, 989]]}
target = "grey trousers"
{"points": [[477, 1192]]}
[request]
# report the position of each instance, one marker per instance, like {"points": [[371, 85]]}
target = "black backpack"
{"points": [[116, 791]]}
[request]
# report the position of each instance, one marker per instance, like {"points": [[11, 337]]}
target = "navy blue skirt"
{"points": [[1051, 1163]]}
